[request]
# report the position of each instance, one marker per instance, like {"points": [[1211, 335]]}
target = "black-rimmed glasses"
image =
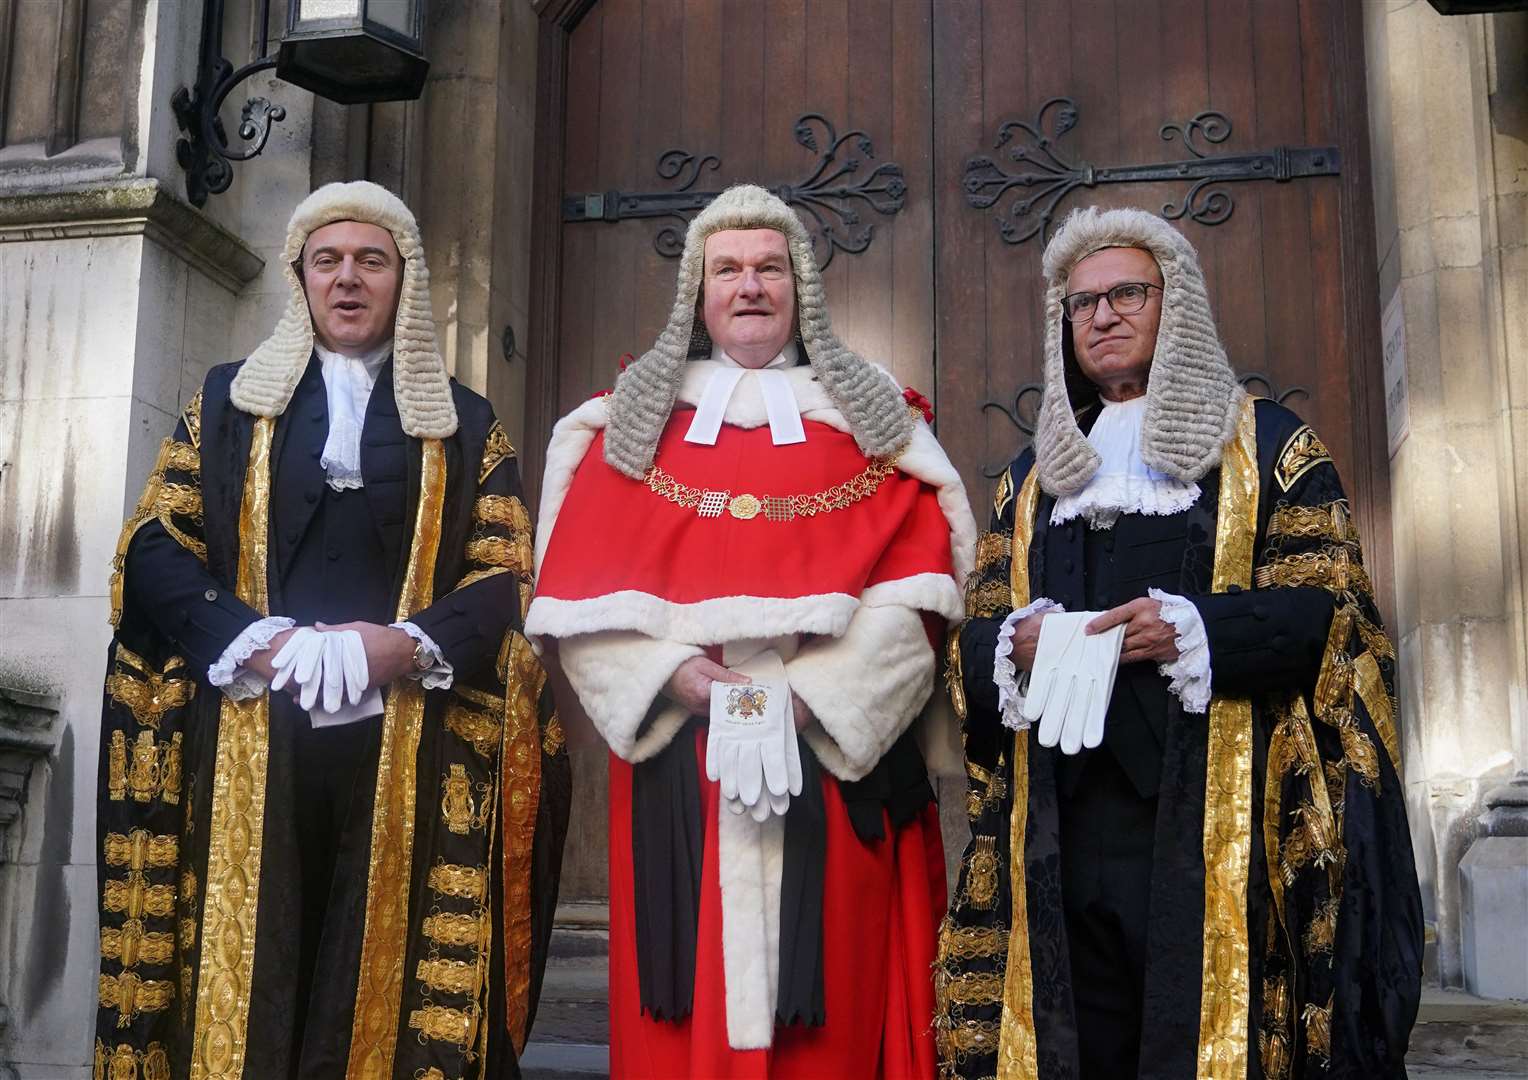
{"points": [[1126, 298]]}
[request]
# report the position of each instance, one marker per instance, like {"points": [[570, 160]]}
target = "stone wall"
{"points": [[1448, 102]]}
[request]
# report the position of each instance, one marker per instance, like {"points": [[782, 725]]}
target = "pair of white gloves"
{"points": [[1072, 680], [751, 749], [331, 662]]}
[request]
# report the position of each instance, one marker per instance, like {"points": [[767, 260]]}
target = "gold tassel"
{"points": [[981, 873]]}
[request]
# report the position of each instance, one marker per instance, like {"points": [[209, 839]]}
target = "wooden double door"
{"points": [[933, 145]]}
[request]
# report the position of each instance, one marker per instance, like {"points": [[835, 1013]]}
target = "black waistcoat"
{"points": [[1091, 569]]}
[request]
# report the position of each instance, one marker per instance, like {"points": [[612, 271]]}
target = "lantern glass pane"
{"points": [[314, 10], [394, 14]]}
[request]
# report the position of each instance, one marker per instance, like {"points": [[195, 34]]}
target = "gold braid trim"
{"points": [[505, 511], [1301, 453], [139, 849], [130, 995], [182, 499], [135, 896], [973, 942], [1333, 569], [192, 415], [236, 840], [132, 945], [1225, 991], [1370, 686], [126, 1063], [437, 1022], [975, 988], [449, 976], [146, 693], [1333, 522], [1018, 1046], [496, 450], [462, 882], [1318, 1029], [373, 1038], [522, 795], [991, 548], [500, 551], [481, 731], [455, 930]]}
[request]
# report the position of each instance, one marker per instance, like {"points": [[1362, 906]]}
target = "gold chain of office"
{"points": [[710, 503]]}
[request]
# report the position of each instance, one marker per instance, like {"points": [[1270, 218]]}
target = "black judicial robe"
{"points": [[1299, 952], [445, 859]]}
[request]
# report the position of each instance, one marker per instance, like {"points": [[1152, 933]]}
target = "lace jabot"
{"points": [[1124, 483]]}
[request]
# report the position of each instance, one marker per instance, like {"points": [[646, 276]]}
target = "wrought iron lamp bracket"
{"points": [[1041, 176], [203, 149], [832, 197]]}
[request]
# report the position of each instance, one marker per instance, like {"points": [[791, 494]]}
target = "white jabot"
{"points": [[348, 382], [1124, 483], [779, 400]]}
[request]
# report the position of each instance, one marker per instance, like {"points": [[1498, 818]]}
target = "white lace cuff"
{"points": [[1010, 699], [1189, 675], [438, 677], [229, 675]]}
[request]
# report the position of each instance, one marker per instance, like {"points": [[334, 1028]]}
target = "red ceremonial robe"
{"points": [[620, 556]]}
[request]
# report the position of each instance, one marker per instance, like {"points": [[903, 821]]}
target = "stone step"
{"points": [[580, 930], [1458, 1035]]}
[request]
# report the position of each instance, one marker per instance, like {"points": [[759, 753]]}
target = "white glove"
{"points": [[746, 750], [331, 661], [1072, 680]]}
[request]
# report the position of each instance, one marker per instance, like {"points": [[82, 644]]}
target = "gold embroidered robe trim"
{"points": [[1225, 993], [130, 995], [126, 1063], [1370, 686], [443, 1024], [131, 944], [380, 989], [1018, 1048], [462, 882], [480, 730], [140, 848], [1302, 452], [148, 693], [238, 813], [496, 451], [522, 794]]}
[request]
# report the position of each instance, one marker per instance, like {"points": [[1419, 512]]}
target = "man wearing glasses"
{"points": [[1222, 877]]}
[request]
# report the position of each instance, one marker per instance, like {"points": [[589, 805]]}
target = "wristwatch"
{"points": [[423, 659]]}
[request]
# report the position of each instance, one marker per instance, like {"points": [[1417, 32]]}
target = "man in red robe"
{"points": [[756, 507]]}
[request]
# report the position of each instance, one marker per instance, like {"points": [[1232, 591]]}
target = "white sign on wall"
{"points": [[1397, 405]]}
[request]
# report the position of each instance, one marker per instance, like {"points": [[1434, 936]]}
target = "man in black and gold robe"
{"points": [[363, 886], [1223, 887]]}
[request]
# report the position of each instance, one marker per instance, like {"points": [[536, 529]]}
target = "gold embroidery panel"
{"points": [[140, 848], [130, 995], [1302, 453], [238, 815], [380, 987], [449, 976], [522, 795], [496, 450], [505, 511], [1370, 686], [437, 1022], [1018, 1049], [1225, 993], [463, 882], [126, 1063], [514, 555], [131, 944], [146, 693], [479, 730]]}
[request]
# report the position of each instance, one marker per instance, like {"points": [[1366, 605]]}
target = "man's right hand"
{"points": [[260, 661], [1026, 636], [690, 685]]}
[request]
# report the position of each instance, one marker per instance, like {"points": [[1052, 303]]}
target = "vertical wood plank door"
{"points": [[645, 98]]}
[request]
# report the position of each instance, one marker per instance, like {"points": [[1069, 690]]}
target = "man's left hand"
{"points": [[389, 651], [1147, 635]]}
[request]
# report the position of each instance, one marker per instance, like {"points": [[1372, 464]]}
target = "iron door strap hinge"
{"points": [[830, 200], [1043, 176]]}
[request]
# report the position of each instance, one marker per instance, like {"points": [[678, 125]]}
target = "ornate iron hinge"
{"points": [[1046, 176], [831, 196]]}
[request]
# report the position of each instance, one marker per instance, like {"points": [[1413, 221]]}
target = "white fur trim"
{"points": [[707, 622], [937, 593], [571, 438], [865, 687], [750, 858], [616, 676]]}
